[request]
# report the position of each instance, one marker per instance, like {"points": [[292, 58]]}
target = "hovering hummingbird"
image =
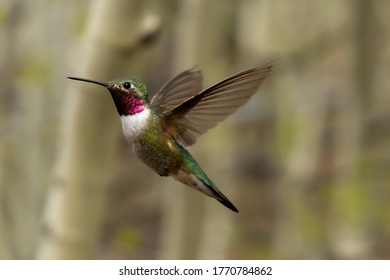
{"points": [[161, 129]]}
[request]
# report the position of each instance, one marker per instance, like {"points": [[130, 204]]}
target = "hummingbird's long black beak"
{"points": [[90, 81]]}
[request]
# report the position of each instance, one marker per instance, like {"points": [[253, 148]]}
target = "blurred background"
{"points": [[306, 161]]}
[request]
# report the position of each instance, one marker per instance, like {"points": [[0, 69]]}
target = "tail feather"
{"points": [[218, 195], [203, 184], [192, 175]]}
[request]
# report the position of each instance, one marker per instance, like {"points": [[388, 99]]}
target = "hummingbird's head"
{"points": [[130, 96]]}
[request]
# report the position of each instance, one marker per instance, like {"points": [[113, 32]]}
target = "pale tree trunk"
{"points": [[76, 199]]}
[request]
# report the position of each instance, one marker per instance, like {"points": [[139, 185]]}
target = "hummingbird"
{"points": [[161, 129]]}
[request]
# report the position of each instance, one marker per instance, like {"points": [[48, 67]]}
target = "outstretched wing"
{"points": [[180, 88], [186, 121]]}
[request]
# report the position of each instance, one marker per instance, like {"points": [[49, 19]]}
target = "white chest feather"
{"points": [[133, 125]]}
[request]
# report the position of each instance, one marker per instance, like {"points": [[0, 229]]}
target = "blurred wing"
{"points": [[180, 88], [197, 114]]}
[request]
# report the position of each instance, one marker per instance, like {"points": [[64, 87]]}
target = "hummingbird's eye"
{"points": [[127, 85]]}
